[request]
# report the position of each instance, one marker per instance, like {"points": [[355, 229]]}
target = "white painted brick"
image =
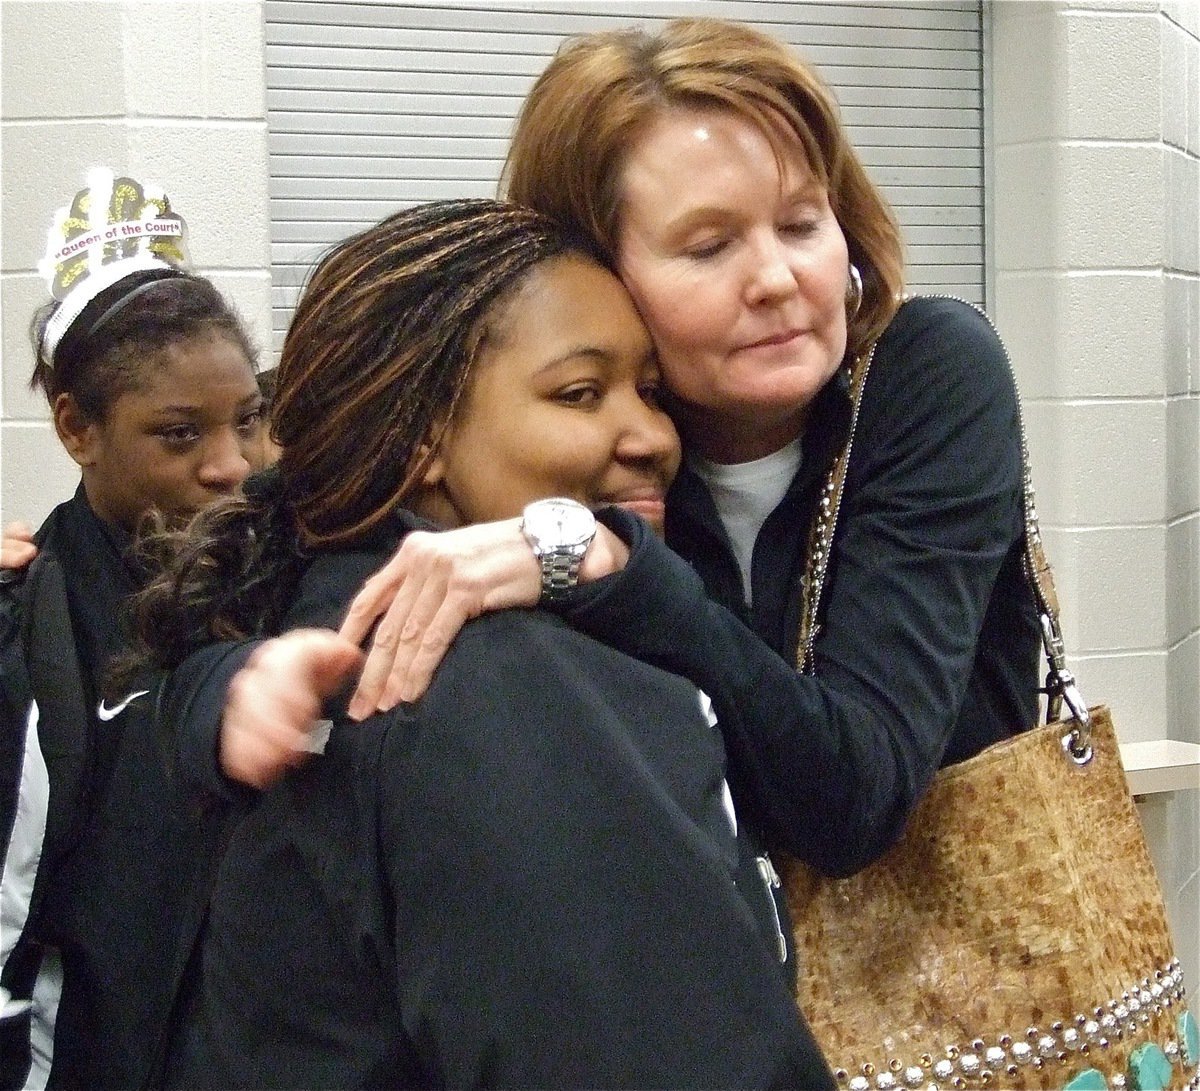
{"points": [[1193, 356], [1114, 73], [1183, 578], [1171, 11], [1084, 334], [1180, 347], [1183, 915], [222, 192], [163, 53], [1169, 820], [1082, 206], [1111, 583], [1176, 109], [1190, 99], [37, 472], [58, 59], [1026, 195], [250, 293], [1183, 456], [1028, 314], [1183, 691], [1182, 198], [1113, 7], [1102, 463], [1110, 205], [234, 50], [20, 296], [1187, 15], [1133, 685], [1110, 343], [1029, 79], [44, 167]]}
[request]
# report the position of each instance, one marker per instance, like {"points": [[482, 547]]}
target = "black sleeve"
{"points": [[14, 707], [561, 918], [832, 765], [189, 719]]}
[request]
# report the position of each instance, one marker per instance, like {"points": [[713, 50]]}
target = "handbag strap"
{"points": [[1060, 683]]}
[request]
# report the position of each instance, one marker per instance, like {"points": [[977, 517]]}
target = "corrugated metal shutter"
{"points": [[373, 106]]}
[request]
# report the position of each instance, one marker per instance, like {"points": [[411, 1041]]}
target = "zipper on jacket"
{"points": [[770, 878]]}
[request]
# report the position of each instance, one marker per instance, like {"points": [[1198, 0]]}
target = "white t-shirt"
{"points": [[745, 493]]}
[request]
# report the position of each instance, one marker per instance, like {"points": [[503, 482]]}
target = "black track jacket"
{"points": [[526, 879]]}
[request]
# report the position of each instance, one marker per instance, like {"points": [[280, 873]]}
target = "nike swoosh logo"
{"points": [[103, 712]]}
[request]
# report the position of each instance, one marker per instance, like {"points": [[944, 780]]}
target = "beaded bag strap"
{"points": [[1060, 684]]}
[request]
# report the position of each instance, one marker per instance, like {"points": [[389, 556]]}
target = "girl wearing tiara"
{"points": [[150, 378]]}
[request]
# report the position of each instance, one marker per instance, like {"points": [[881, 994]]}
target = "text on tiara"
{"points": [[126, 229]]}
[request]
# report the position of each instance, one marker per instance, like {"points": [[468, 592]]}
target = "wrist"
{"points": [[513, 575]]}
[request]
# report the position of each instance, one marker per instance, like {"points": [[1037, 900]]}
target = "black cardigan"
{"points": [[524, 880], [929, 646]]}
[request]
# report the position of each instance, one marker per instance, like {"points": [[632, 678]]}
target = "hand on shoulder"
{"points": [[432, 587], [275, 700], [16, 546]]}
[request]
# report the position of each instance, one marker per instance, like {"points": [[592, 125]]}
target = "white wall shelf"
{"points": [[1161, 765]]}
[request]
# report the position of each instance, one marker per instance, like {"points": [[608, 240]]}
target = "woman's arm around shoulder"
{"points": [[831, 765]]}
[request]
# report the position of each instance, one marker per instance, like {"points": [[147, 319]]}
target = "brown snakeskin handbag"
{"points": [[1016, 936]]}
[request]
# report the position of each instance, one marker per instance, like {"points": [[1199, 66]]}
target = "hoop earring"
{"points": [[854, 291]]}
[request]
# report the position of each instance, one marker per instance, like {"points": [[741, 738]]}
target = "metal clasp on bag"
{"points": [[1060, 686]]}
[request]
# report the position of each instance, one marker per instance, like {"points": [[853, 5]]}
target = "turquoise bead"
{"points": [[1189, 1038], [1090, 1079], [1149, 1069]]}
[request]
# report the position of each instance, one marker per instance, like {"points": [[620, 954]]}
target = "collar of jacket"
{"points": [[694, 529], [688, 501]]}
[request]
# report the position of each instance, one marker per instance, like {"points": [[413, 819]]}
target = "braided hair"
{"points": [[382, 345]]}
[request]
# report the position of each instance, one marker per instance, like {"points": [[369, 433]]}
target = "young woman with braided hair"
{"points": [[515, 882]]}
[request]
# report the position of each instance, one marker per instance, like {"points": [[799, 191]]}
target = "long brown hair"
{"points": [[600, 92], [382, 345]]}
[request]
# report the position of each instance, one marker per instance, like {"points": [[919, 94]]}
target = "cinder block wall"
{"points": [[1096, 127], [171, 93]]}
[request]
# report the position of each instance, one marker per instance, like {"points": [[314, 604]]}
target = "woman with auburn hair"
{"points": [[512, 883], [600, 96]]}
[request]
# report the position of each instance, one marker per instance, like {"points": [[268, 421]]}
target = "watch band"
{"points": [[560, 572]]}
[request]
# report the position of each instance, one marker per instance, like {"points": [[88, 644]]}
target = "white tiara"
{"points": [[114, 227]]}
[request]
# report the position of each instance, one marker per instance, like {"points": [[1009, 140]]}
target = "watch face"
{"points": [[556, 524]]}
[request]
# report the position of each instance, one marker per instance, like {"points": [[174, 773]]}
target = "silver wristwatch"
{"points": [[559, 531]]}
